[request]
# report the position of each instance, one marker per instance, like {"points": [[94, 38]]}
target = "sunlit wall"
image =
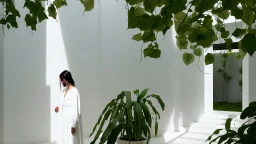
{"points": [[97, 48]]}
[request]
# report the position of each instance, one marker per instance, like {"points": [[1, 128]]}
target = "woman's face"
{"points": [[63, 82]]}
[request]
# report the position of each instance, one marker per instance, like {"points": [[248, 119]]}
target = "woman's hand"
{"points": [[57, 109], [73, 130]]}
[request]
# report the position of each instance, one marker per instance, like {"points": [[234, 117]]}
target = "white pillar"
{"points": [[208, 85], [249, 80], [1, 80]]}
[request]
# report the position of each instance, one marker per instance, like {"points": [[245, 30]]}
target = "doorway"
{"points": [[227, 78]]}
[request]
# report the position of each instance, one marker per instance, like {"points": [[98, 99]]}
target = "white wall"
{"points": [[98, 50], [26, 95], [234, 91], [1, 81], [249, 80], [1, 86]]}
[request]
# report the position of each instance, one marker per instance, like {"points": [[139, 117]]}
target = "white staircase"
{"points": [[199, 131]]}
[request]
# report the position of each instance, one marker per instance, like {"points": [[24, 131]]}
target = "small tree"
{"points": [[241, 80], [226, 76]]}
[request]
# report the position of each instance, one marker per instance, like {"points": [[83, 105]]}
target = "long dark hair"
{"points": [[67, 76]]}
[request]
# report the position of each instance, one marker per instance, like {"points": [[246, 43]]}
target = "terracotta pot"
{"points": [[131, 142]]}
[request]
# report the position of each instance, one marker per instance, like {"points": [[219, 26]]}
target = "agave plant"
{"points": [[130, 119]]}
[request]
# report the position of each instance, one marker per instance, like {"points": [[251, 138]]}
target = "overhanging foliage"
{"points": [[192, 20]]}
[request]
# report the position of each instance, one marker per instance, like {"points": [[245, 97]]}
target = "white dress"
{"points": [[70, 111]]}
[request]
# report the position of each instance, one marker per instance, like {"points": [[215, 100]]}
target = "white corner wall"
{"points": [[97, 48]]}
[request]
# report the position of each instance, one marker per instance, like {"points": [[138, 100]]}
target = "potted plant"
{"points": [[130, 121]]}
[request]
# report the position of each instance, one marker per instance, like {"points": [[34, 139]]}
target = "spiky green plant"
{"points": [[130, 119]]}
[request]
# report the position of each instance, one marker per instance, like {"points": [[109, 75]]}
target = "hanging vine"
{"points": [[226, 76], [240, 82]]}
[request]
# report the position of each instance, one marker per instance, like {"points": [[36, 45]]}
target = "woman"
{"points": [[71, 118]]}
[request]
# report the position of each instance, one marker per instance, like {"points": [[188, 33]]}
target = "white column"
{"points": [[1, 80], [208, 85], [249, 80]]}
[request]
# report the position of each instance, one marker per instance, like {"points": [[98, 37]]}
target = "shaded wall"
{"points": [[26, 96], [234, 91]]}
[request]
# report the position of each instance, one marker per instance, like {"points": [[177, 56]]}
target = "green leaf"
{"points": [[217, 131], [162, 23], [149, 5], [152, 52], [156, 127], [30, 21], [136, 92], [160, 3], [182, 41], [42, 16], [149, 134], [203, 37], [114, 112], [198, 52], [229, 43], [114, 134], [203, 5], [225, 137], [120, 96], [146, 113], [60, 3], [148, 36], [137, 37], [52, 11], [129, 109], [173, 7], [224, 33], [111, 126], [249, 43], [237, 13], [165, 30], [250, 3], [241, 130], [207, 23], [188, 58], [215, 139], [106, 115], [209, 58], [248, 16], [142, 95], [249, 112], [139, 12], [137, 121], [160, 101], [228, 123], [153, 108], [181, 22], [88, 4], [224, 14], [239, 32], [109, 105]]}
